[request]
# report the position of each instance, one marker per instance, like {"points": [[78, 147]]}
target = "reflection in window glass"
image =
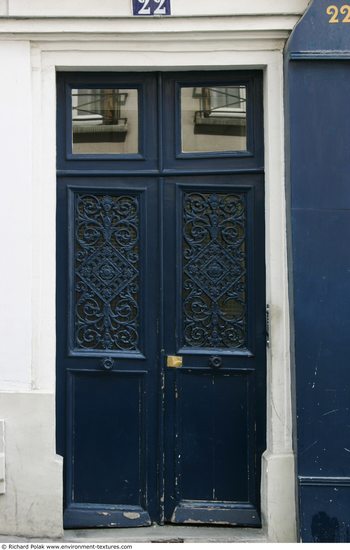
{"points": [[214, 118], [105, 121]]}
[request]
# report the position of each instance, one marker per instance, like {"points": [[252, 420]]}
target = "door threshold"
{"points": [[167, 533]]}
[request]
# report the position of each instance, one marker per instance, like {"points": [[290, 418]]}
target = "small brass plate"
{"points": [[174, 361]]}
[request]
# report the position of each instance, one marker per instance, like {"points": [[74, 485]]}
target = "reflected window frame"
{"points": [[210, 104], [122, 88], [243, 83], [94, 93]]}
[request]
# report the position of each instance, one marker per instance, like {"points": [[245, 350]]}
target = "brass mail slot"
{"points": [[174, 361]]}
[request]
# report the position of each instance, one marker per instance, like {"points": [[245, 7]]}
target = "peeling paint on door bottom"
{"points": [[131, 515]]}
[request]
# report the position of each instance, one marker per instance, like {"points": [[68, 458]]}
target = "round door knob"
{"points": [[108, 363], [215, 361]]}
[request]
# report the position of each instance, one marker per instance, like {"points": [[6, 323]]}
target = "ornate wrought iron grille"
{"points": [[214, 270], [106, 272]]}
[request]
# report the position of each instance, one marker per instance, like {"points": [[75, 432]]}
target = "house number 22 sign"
{"points": [[151, 7], [339, 15]]}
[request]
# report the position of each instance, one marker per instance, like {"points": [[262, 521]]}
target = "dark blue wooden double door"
{"points": [[160, 298]]}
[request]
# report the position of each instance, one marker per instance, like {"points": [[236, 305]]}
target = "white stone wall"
{"points": [[32, 499], [244, 35], [16, 218], [121, 8]]}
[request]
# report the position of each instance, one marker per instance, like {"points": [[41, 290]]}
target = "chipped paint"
{"points": [[194, 521], [212, 522], [331, 412], [103, 514], [131, 515], [174, 541], [309, 447]]}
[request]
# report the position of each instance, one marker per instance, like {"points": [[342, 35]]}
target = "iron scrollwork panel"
{"points": [[214, 274], [106, 273]]}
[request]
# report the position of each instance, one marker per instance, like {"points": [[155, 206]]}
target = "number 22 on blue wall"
{"points": [[151, 7]]}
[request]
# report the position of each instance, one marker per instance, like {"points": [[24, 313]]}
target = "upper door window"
{"points": [[105, 121], [188, 121], [217, 121], [213, 119]]}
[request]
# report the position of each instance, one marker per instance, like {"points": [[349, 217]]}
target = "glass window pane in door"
{"points": [[105, 121], [213, 119]]}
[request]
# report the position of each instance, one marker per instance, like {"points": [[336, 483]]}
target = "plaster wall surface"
{"points": [[31, 505], [16, 216], [122, 8]]}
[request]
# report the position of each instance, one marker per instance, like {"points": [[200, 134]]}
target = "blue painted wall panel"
{"points": [[319, 123], [318, 128], [325, 513], [322, 323]]}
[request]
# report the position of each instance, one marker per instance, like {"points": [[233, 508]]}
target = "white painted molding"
{"points": [[33, 502], [16, 216], [278, 497], [105, 27], [122, 8], [3, 8], [2, 458], [156, 54]]}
